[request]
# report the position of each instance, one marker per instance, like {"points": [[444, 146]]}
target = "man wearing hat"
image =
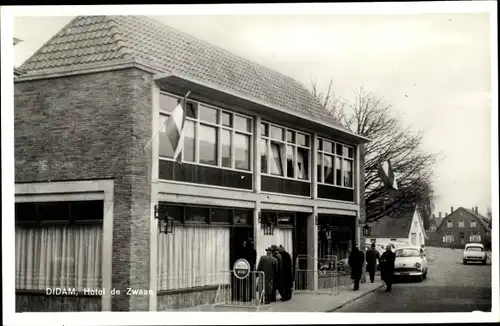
{"points": [[269, 265], [278, 278]]}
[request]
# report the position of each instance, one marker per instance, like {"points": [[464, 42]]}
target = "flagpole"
{"points": [[159, 129]]}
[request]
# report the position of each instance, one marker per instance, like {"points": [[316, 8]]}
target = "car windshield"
{"points": [[474, 249], [407, 252]]}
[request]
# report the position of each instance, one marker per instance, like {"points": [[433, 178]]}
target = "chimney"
{"points": [[440, 215], [446, 214], [451, 209], [477, 212]]}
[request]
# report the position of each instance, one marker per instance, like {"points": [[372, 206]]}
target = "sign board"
{"points": [[241, 268]]}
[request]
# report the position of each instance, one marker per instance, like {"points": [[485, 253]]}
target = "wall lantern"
{"points": [[165, 222], [266, 224], [367, 230]]}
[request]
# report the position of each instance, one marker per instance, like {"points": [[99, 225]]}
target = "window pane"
{"points": [[197, 214], [339, 149], [191, 110], [167, 103], [226, 119], [242, 151], [290, 135], [166, 147], [208, 145], [220, 215], [338, 171], [276, 133], [208, 114], [243, 217], [242, 123], [328, 168], [58, 211], [264, 129], [347, 173], [87, 210], [327, 146], [350, 153], [189, 141], [263, 155], [302, 163], [26, 212], [277, 158], [320, 144], [302, 140], [226, 148], [319, 166], [175, 212], [346, 151], [290, 159]]}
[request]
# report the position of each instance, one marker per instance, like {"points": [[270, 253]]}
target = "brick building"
{"points": [[462, 226], [258, 146]]}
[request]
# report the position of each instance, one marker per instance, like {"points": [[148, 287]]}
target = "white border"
{"points": [[261, 9]]}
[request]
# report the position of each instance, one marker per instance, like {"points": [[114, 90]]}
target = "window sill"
{"points": [[189, 290]]}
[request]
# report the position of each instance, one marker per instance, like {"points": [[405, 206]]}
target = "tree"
{"points": [[369, 116]]}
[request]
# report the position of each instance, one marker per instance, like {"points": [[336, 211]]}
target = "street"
{"points": [[450, 287]]}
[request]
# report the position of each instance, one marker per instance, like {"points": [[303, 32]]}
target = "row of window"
{"points": [[473, 237], [76, 212], [216, 137], [461, 224]]}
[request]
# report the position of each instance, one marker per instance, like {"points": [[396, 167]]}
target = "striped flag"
{"points": [[174, 128], [387, 175]]}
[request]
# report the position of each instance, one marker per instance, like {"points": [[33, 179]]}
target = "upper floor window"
{"points": [[212, 136], [284, 152], [461, 224], [335, 163], [473, 224], [449, 224]]}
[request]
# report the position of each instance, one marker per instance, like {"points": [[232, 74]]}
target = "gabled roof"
{"points": [[393, 226], [96, 40], [483, 220]]}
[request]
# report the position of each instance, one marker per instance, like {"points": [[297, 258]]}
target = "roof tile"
{"points": [[96, 39]]}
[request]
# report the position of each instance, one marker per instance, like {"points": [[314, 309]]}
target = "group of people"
{"points": [[278, 273], [386, 264]]}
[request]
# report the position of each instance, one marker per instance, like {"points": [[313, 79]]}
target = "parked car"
{"points": [[474, 252], [410, 262]]}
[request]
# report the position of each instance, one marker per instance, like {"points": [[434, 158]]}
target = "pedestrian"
{"points": [[387, 267], [372, 256], [250, 255], [269, 266], [356, 261], [278, 282], [287, 274]]}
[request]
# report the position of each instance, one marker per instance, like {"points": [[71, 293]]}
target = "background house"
{"points": [[462, 226], [407, 227]]}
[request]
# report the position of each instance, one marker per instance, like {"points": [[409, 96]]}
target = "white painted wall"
{"points": [[417, 227]]}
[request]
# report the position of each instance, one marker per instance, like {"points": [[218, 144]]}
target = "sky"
{"points": [[433, 69]]}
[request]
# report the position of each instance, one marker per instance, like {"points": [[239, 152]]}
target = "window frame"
{"points": [[219, 127], [268, 139], [461, 224], [471, 223], [448, 224], [321, 152]]}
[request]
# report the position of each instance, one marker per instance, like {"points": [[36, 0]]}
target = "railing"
{"points": [[324, 271], [246, 293]]}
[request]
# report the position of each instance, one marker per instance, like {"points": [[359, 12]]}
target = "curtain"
{"points": [[280, 237], [302, 163], [277, 156], [193, 256], [58, 256]]}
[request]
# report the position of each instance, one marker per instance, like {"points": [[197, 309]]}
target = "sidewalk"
{"points": [[305, 302]]}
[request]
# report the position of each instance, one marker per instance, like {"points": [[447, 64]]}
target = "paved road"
{"points": [[450, 287]]}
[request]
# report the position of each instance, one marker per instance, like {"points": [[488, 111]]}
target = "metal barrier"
{"points": [[316, 275], [242, 293]]}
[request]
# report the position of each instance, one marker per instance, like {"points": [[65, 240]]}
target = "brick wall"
{"points": [[95, 126]]}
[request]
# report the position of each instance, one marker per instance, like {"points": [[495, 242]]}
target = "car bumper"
{"points": [[408, 273], [475, 258]]}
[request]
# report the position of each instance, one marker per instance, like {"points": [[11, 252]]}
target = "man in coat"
{"points": [[269, 265], [278, 279], [287, 274], [387, 267], [371, 262], [356, 261]]}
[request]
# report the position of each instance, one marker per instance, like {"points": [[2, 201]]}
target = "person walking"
{"points": [[269, 266], [287, 273], [278, 281], [372, 256], [387, 267], [356, 261]]}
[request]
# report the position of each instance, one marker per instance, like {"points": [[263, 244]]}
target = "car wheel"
{"points": [[484, 262], [420, 278], [465, 262], [425, 275]]}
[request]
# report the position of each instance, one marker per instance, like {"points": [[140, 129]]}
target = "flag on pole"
{"points": [[174, 128], [386, 173]]}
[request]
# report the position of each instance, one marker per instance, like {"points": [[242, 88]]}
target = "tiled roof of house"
{"points": [[393, 226], [484, 221], [97, 40]]}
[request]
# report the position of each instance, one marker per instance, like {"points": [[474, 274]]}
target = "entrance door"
{"points": [[300, 249], [238, 235]]}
